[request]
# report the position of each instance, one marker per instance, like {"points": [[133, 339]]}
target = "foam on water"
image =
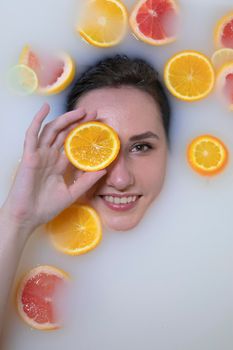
{"points": [[167, 284]]}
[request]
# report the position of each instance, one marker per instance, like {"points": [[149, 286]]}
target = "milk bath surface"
{"points": [[167, 284]]}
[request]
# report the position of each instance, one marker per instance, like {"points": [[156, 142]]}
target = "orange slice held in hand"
{"points": [[76, 230], [189, 75], [224, 84], [38, 296], [54, 73], [207, 155], [223, 34], [155, 21], [92, 146], [103, 23]]}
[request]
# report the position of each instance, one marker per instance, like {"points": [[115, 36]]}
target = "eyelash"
{"points": [[149, 147]]}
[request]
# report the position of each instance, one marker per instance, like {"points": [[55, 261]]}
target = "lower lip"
{"points": [[120, 207]]}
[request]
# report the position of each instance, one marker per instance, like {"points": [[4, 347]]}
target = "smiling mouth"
{"points": [[120, 203]]}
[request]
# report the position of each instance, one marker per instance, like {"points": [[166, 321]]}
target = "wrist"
{"points": [[13, 224]]}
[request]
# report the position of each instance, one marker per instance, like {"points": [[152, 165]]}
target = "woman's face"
{"points": [[136, 177]]}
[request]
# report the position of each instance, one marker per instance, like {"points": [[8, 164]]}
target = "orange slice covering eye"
{"points": [[76, 230], [207, 155], [155, 21], [92, 146]]}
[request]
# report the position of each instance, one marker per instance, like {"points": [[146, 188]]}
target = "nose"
{"points": [[119, 175]]}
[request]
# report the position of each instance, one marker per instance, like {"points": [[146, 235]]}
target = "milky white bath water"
{"points": [[167, 284]]}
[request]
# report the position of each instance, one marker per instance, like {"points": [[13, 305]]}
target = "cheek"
{"points": [[152, 173]]}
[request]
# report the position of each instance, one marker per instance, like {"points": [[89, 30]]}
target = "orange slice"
{"points": [[155, 21], [54, 74], [224, 84], [221, 57], [37, 297], [92, 146], [207, 155], [76, 230], [223, 33], [103, 23], [189, 75]]}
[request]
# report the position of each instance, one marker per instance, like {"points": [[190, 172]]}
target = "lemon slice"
{"points": [[221, 57], [22, 80]]}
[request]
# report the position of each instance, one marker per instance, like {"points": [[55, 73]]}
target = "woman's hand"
{"points": [[39, 191]]}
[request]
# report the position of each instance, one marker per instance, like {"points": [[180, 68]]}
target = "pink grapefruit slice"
{"points": [[155, 21], [54, 74], [36, 297], [224, 84], [223, 35]]}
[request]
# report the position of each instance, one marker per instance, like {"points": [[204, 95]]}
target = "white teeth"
{"points": [[118, 200]]}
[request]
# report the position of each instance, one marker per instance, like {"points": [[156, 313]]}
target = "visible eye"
{"points": [[141, 147]]}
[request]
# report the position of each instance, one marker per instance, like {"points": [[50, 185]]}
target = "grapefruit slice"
{"points": [[224, 84], [155, 21], [223, 34], [54, 73], [37, 297]]}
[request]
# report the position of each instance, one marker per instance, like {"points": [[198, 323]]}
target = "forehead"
{"points": [[128, 110]]}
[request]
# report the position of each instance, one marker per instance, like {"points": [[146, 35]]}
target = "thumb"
{"points": [[85, 182]]}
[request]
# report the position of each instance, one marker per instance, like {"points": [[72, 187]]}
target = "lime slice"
{"points": [[22, 80]]}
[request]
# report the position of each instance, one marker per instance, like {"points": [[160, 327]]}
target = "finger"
{"points": [[60, 139], [85, 182], [31, 137], [62, 164], [52, 129]]}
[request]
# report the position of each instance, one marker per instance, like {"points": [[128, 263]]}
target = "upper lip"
{"points": [[120, 195]]}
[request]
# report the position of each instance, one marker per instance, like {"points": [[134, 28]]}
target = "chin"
{"points": [[119, 224]]}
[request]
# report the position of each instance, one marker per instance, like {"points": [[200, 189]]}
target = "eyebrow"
{"points": [[145, 135]]}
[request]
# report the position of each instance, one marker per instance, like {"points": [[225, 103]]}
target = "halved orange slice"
{"points": [[223, 33], [155, 21], [103, 22], [76, 230], [92, 146], [189, 75], [54, 74], [207, 155], [38, 294]]}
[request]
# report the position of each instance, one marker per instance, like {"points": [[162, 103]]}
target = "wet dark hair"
{"points": [[118, 71]]}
